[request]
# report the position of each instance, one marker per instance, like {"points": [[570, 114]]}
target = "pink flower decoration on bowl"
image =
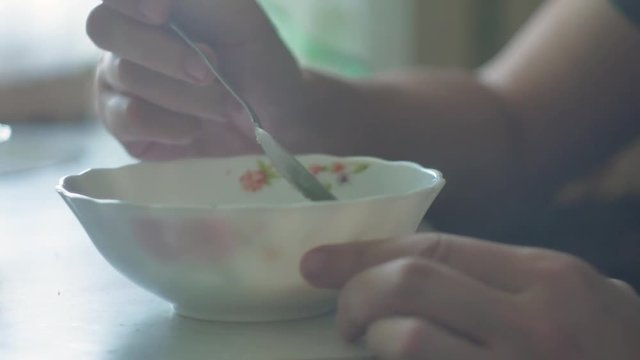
{"points": [[253, 180], [342, 173], [338, 168], [317, 169]]}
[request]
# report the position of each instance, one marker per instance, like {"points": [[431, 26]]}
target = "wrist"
{"points": [[335, 114]]}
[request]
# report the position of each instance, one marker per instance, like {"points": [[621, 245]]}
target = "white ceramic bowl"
{"points": [[221, 239]]}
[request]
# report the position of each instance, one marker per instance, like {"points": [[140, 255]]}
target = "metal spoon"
{"points": [[286, 165]]}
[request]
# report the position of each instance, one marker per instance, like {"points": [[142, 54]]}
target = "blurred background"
{"points": [[46, 60], [46, 69]]}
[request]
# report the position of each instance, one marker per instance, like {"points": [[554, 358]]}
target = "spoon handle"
{"points": [[286, 164], [252, 114]]}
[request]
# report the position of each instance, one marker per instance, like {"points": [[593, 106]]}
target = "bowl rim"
{"points": [[437, 184]]}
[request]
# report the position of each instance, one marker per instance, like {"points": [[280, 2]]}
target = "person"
{"points": [[560, 98]]}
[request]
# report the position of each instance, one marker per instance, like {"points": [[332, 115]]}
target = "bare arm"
{"points": [[573, 80], [562, 97]]}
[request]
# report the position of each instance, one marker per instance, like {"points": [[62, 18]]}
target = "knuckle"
{"points": [[353, 301], [122, 73], [123, 114], [370, 295], [435, 247], [408, 270], [132, 110], [354, 309], [406, 273], [559, 270], [122, 107], [411, 342], [544, 332]]}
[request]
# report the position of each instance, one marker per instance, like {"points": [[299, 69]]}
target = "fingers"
{"points": [[135, 120], [154, 151], [418, 287], [148, 46], [150, 132], [332, 266], [399, 338], [154, 12], [124, 76]]}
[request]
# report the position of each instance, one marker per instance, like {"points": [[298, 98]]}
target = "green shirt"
{"points": [[631, 8]]}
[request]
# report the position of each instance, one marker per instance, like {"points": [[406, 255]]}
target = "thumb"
{"points": [[496, 265]]}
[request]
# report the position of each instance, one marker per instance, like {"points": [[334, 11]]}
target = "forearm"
{"points": [[447, 120], [571, 77], [560, 100]]}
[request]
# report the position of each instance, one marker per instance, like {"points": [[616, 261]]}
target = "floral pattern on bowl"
{"points": [[254, 180]]}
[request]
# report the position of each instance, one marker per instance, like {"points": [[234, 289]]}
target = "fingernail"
{"points": [[313, 264], [198, 70], [155, 11]]}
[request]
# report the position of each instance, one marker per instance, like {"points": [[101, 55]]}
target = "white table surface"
{"points": [[59, 299]]}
